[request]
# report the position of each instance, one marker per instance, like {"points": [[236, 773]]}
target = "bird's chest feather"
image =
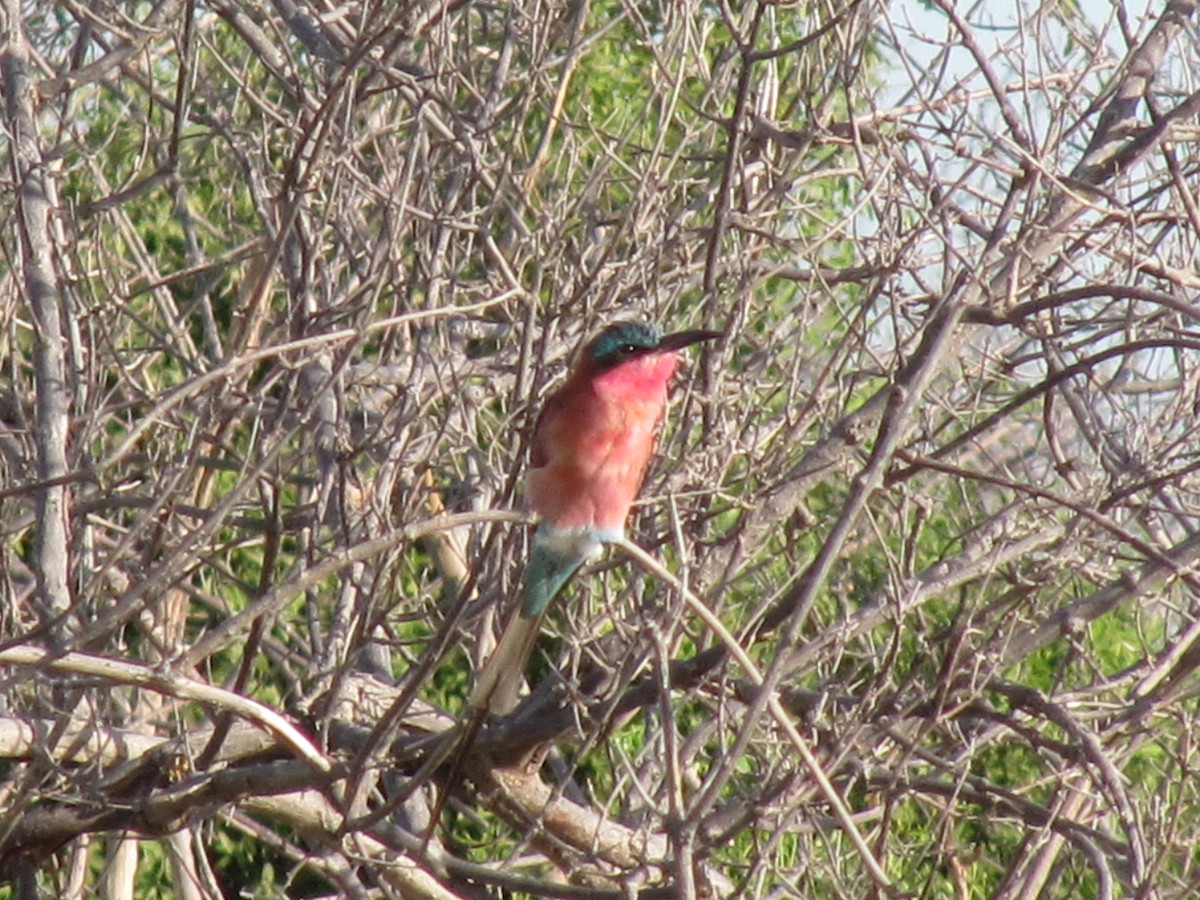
{"points": [[592, 450], [619, 439]]}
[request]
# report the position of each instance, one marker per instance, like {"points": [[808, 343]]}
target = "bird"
{"points": [[592, 444]]}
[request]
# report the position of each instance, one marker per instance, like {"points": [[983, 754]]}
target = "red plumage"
{"points": [[593, 442]]}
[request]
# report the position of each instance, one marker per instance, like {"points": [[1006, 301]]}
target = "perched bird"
{"points": [[591, 446]]}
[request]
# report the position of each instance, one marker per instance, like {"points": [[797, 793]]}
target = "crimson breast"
{"points": [[593, 442]]}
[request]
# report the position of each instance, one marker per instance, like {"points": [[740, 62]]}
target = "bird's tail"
{"points": [[499, 680], [552, 562], [553, 559]]}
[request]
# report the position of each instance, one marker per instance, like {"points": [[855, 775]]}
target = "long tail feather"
{"points": [[550, 568], [552, 561], [499, 682]]}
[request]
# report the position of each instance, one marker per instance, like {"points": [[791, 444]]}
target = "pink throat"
{"points": [[643, 378]]}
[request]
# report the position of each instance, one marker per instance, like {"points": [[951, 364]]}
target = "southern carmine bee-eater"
{"points": [[591, 446]]}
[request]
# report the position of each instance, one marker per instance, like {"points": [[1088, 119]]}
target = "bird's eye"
{"points": [[627, 350]]}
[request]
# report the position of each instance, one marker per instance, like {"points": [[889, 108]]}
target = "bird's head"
{"points": [[635, 360], [624, 342]]}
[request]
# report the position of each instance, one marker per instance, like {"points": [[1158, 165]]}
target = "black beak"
{"points": [[681, 339]]}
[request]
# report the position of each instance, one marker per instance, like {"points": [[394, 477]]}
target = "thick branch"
{"points": [[35, 210]]}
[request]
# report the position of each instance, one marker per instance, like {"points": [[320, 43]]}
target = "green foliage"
{"points": [[246, 867]]}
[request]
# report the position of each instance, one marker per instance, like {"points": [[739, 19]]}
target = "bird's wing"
{"points": [[542, 446]]}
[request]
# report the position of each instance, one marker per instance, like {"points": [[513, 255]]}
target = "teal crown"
{"points": [[623, 340]]}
